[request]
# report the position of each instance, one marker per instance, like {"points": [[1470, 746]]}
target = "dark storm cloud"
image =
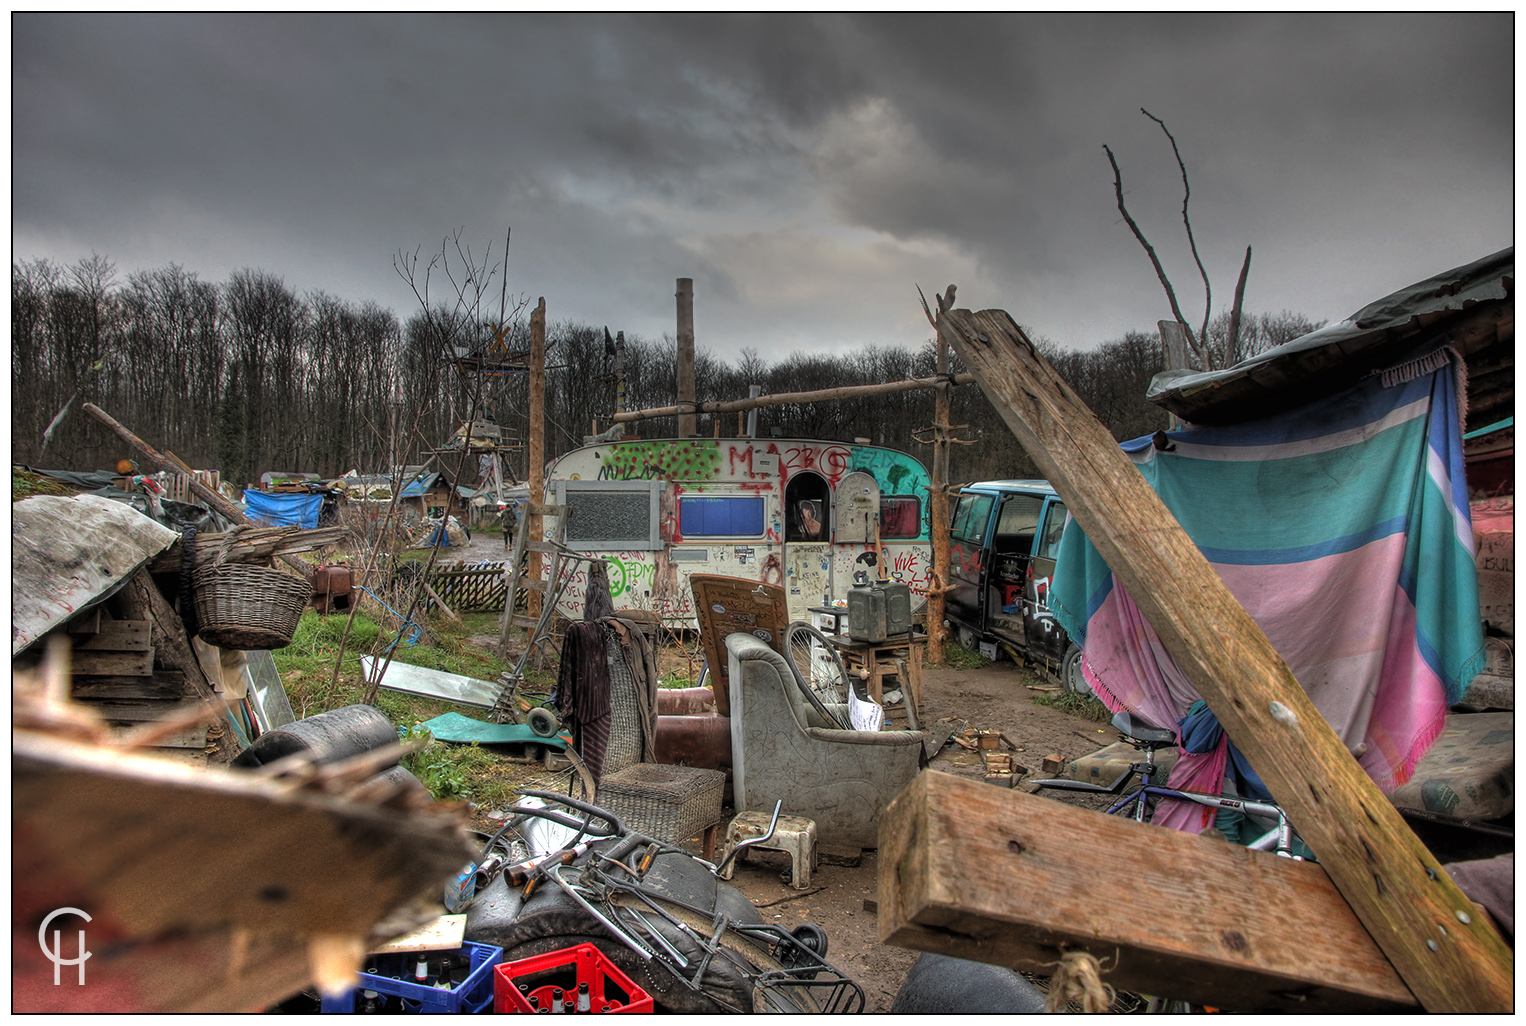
{"points": [[806, 171]]}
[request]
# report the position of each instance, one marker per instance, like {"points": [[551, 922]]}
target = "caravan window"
{"points": [[720, 516], [900, 516], [611, 515]]}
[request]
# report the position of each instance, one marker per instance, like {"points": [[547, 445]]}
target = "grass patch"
{"points": [[961, 658], [1084, 706], [451, 772]]}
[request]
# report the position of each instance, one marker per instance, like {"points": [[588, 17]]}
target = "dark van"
{"points": [[1002, 545]]}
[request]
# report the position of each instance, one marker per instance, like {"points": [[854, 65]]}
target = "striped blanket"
{"points": [[1343, 528]]}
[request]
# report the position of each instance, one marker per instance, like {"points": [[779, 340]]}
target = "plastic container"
{"points": [[609, 989], [473, 994]]}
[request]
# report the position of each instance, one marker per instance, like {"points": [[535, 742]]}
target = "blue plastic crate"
{"points": [[473, 994]]}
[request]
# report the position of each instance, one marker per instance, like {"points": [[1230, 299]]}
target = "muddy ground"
{"points": [[841, 898]]}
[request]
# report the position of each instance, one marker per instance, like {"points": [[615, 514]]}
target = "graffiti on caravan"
{"points": [[689, 460]]}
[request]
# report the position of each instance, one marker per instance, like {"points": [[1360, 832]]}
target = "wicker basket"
{"points": [[243, 606]]}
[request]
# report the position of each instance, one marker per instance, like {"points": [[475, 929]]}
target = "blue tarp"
{"points": [[283, 508]]}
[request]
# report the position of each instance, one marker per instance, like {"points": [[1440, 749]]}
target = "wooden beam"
{"points": [[440, 602], [685, 297], [1450, 959], [536, 472], [174, 466], [819, 395], [998, 876]]}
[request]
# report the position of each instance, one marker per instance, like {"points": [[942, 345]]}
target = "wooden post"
{"points": [[1173, 340], [686, 356], [1448, 956], [785, 398], [537, 446], [937, 506]]}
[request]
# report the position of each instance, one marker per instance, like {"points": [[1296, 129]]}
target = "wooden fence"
{"points": [[471, 587]]}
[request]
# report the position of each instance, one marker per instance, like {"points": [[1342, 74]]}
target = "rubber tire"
{"points": [[543, 722], [1071, 676], [328, 737]]}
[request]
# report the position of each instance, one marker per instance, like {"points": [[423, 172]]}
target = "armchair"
{"points": [[781, 749]]}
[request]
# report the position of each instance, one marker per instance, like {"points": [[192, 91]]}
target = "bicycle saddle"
{"points": [[1140, 730]]}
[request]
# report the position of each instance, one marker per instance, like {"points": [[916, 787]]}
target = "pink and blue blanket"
{"points": [[1343, 528]]}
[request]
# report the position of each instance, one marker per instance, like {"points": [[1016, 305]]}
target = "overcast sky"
{"points": [[808, 172]]}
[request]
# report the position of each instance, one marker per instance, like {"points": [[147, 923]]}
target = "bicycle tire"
{"points": [[818, 669]]}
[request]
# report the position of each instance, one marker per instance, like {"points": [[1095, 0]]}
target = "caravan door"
{"points": [[807, 543]]}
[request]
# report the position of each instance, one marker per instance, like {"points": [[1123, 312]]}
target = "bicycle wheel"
{"points": [[818, 669]]}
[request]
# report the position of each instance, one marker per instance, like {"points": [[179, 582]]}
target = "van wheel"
{"points": [[968, 640], [1070, 672]]}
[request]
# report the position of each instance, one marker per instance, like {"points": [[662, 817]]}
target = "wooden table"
{"points": [[898, 656]]}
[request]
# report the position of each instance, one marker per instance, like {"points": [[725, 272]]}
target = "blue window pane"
{"points": [[720, 516]]}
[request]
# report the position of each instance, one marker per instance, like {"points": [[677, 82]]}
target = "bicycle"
{"points": [[1140, 802]]}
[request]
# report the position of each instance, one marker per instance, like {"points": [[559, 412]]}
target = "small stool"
{"points": [[793, 834]]}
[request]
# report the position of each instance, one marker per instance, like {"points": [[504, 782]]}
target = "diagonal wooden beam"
{"points": [[1449, 957]]}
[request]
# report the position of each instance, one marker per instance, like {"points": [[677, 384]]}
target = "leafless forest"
{"points": [[248, 376]]}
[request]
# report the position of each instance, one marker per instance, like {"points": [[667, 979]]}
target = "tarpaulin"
{"points": [[279, 509], [1343, 529]]}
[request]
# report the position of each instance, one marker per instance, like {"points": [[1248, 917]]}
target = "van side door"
{"points": [[1043, 631], [967, 558]]}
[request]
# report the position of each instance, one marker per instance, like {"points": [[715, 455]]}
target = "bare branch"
{"points": [[1233, 346], [1191, 240], [1160, 272]]}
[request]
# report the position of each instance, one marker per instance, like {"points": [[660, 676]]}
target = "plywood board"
{"points": [[726, 605]]}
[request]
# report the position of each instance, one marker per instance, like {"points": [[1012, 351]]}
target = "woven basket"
{"points": [[248, 607]]}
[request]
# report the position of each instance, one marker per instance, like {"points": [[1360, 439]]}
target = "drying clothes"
{"points": [[1343, 528], [582, 692]]}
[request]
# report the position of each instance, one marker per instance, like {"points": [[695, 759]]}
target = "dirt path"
{"points": [[841, 898]]}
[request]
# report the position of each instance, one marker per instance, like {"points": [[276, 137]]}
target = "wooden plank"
{"points": [[723, 605], [116, 664], [254, 545], [117, 636], [1395, 886], [444, 934], [1004, 877], [140, 710], [163, 685], [87, 622]]}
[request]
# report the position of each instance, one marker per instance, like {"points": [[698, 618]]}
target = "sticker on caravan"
{"points": [[717, 608]]}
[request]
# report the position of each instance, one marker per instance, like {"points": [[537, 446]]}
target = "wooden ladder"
{"points": [[516, 580]]}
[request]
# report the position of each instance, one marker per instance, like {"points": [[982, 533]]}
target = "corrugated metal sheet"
{"points": [[1324, 361]]}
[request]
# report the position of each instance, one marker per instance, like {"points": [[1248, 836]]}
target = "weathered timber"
{"points": [[999, 876], [115, 664], [140, 599], [536, 438], [208, 890], [255, 545], [115, 636], [164, 684], [174, 466], [441, 603], [685, 298], [1393, 884], [784, 398]]}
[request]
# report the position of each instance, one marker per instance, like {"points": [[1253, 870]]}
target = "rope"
{"points": [[1077, 980]]}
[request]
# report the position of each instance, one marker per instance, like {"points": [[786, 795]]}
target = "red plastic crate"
{"points": [[607, 985]]}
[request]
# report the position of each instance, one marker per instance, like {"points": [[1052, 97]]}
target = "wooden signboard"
{"points": [[725, 605]]}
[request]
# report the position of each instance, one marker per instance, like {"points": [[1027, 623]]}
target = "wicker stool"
{"points": [[793, 834], [670, 803]]}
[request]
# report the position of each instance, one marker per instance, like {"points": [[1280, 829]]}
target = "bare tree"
{"points": [[1197, 342]]}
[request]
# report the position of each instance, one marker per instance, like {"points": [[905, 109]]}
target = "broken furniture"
{"points": [[671, 803], [898, 657], [793, 835], [781, 749], [723, 605], [1461, 796]]}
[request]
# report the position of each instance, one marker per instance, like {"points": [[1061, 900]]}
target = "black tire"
{"points": [[543, 722], [818, 669], [1070, 672]]}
